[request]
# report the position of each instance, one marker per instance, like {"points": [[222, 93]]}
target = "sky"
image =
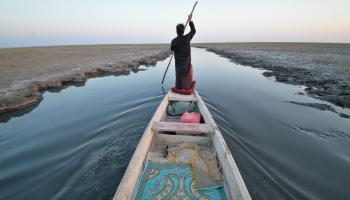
{"points": [[66, 22]]}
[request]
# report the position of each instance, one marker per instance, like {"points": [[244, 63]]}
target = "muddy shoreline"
{"points": [[323, 68], [29, 72]]}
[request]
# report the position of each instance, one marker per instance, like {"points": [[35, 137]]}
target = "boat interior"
{"points": [[170, 142], [176, 141], [170, 131]]}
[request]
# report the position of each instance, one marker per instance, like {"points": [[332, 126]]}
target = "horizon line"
{"points": [[102, 44]]}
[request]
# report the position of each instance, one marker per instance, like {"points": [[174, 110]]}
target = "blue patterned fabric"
{"points": [[172, 181]]}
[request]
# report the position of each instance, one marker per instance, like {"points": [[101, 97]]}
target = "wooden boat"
{"points": [[204, 133]]}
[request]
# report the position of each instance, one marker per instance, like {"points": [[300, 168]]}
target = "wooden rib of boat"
{"points": [[234, 185]]}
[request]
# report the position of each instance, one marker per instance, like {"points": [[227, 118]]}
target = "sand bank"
{"points": [[323, 68], [27, 72]]}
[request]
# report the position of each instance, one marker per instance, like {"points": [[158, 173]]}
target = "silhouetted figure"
{"points": [[182, 49]]}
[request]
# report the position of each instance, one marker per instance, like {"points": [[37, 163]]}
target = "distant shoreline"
{"points": [[86, 45], [26, 73], [220, 43]]}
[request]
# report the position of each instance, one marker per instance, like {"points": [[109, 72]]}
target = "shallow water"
{"points": [[77, 143]]}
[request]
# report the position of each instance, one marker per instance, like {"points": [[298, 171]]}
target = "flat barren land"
{"points": [[323, 68], [27, 72]]}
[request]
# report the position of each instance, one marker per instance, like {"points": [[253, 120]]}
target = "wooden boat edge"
{"points": [[130, 177], [224, 155]]}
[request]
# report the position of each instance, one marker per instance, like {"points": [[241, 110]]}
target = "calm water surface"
{"points": [[77, 143]]}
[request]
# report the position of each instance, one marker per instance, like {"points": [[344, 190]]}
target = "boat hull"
{"points": [[233, 182]]}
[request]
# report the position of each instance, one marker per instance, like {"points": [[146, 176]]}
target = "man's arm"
{"points": [[193, 29], [172, 45]]}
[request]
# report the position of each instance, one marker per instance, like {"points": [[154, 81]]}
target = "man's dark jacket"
{"points": [[182, 49]]}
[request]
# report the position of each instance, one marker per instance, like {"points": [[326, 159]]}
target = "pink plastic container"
{"points": [[193, 117]]}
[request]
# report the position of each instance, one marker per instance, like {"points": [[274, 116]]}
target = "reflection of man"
{"points": [[182, 50]]}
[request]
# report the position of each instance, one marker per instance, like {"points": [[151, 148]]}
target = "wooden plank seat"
{"points": [[177, 139], [179, 127], [179, 97]]}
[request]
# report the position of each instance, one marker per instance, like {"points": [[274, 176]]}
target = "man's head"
{"points": [[180, 29]]}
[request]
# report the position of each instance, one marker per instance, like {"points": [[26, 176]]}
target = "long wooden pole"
{"points": [[172, 55]]}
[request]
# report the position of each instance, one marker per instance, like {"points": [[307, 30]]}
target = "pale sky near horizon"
{"points": [[62, 22]]}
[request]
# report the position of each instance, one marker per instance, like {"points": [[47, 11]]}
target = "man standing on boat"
{"points": [[182, 50]]}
